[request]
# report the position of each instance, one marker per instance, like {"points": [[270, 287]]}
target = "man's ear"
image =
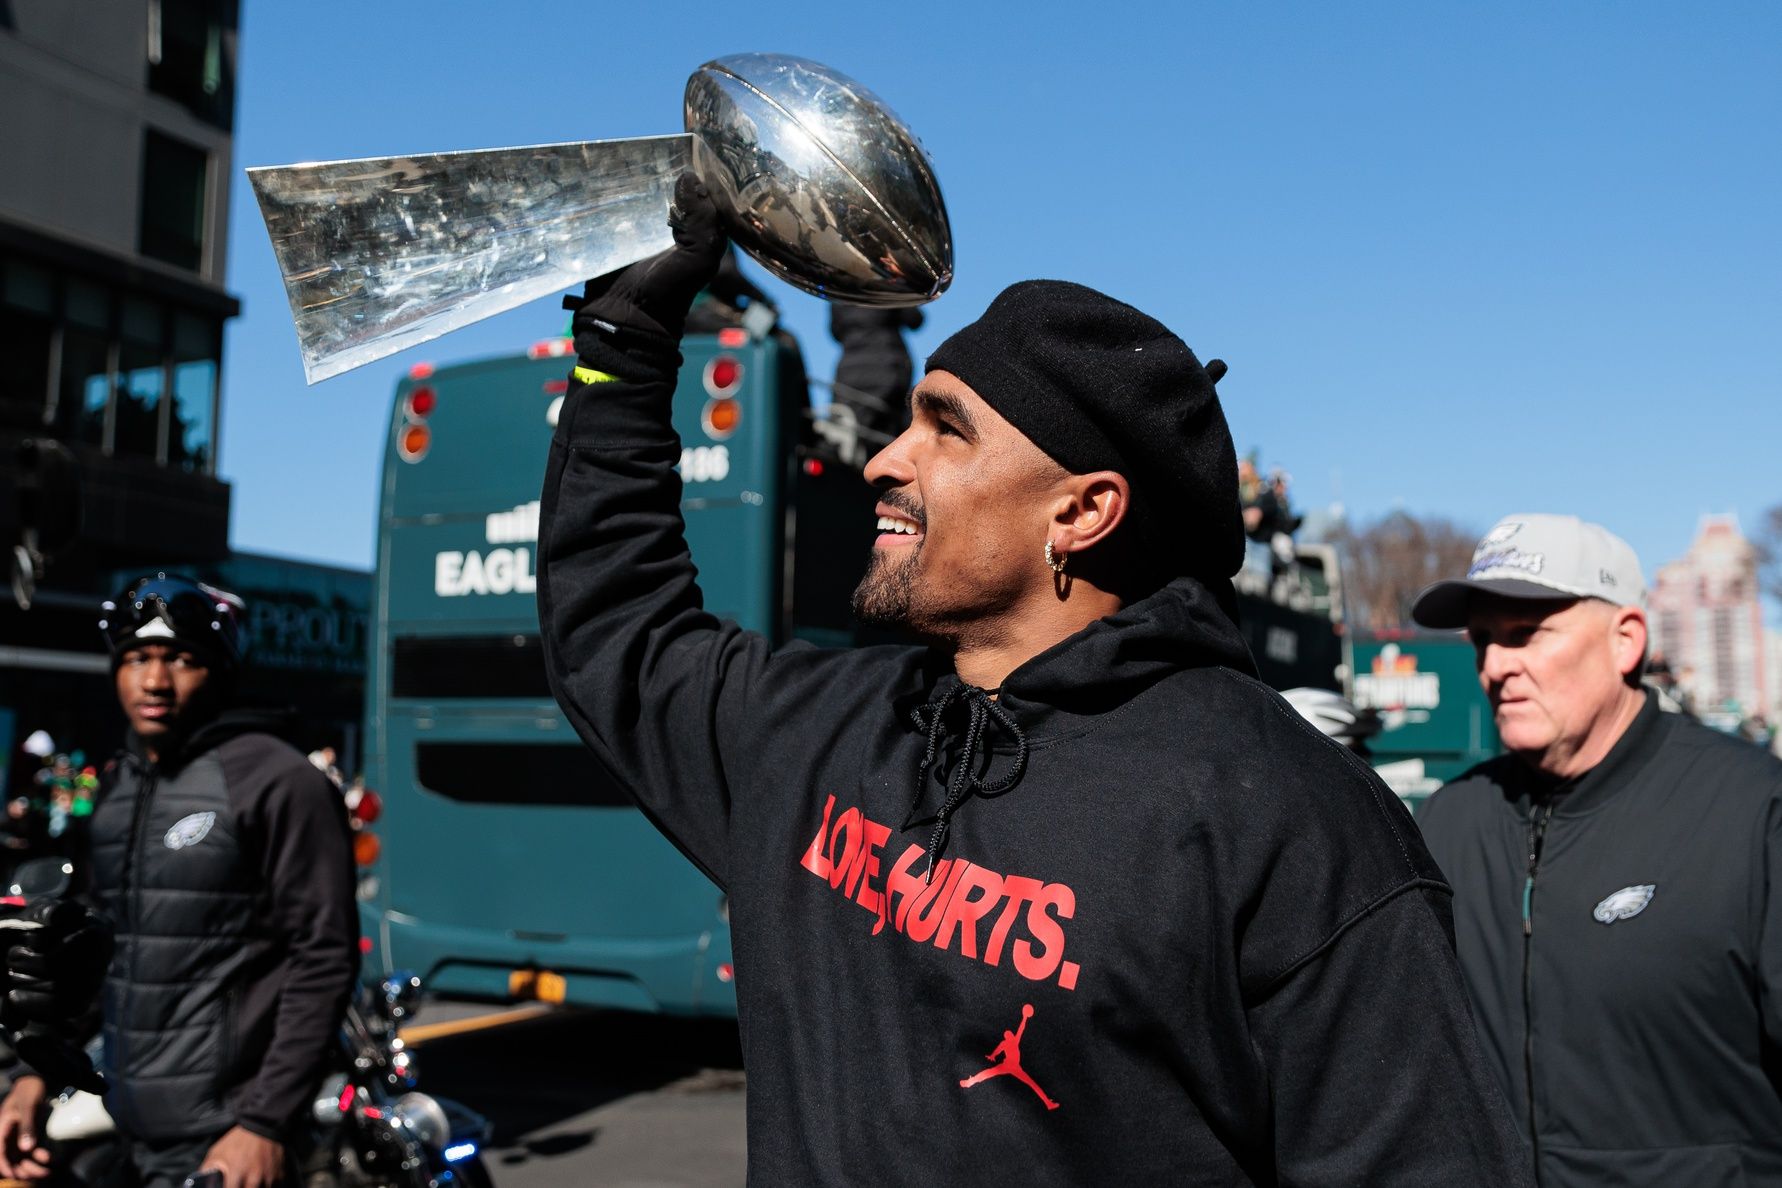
{"points": [[1092, 507], [1628, 636]]}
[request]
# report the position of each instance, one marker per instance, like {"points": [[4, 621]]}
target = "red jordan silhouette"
{"points": [[1007, 1056]]}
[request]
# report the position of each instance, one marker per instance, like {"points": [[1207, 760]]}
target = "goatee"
{"points": [[882, 599]]}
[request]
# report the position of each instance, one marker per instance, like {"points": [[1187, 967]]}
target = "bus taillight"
{"points": [[723, 374], [721, 417], [366, 847], [364, 806], [723, 412], [414, 437], [412, 443]]}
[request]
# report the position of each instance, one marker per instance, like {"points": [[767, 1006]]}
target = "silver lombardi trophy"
{"points": [[816, 178]]}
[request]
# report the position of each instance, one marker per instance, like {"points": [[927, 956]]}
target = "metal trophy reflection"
{"points": [[817, 179]]}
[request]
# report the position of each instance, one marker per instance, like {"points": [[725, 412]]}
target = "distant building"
{"points": [[1706, 616], [116, 138], [116, 129]]}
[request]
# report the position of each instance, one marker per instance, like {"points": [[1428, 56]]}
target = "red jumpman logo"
{"points": [[1007, 1057]]}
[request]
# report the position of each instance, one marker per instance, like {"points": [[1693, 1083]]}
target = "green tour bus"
{"points": [[506, 864]]}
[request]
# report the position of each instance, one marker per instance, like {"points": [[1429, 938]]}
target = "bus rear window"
{"points": [[471, 666], [516, 773]]}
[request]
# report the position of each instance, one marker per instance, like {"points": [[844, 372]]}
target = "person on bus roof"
{"points": [[223, 862], [1072, 840]]}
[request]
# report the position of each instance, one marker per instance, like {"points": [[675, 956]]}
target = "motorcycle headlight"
{"points": [[424, 1118]]}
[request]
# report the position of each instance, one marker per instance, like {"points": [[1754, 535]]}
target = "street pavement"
{"points": [[595, 1099]]}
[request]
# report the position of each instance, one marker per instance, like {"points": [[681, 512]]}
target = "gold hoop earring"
{"points": [[1055, 560]]}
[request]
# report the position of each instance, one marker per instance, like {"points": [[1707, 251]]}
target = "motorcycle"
{"points": [[373, 1129], [378, 1130]]}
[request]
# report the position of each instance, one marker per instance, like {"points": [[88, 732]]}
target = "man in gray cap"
{"points": [[1617, 880]]}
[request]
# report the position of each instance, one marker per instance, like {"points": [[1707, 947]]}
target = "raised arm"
{"points": [[638, 666]]}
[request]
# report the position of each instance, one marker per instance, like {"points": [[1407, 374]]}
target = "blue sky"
{"points": [[1462, 259]]}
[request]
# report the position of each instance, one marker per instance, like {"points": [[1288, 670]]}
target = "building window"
{"points": [[27, 341], [136, 421], [191, 47], [119, 372], [196, 350], [85, 392], [173, 193]]}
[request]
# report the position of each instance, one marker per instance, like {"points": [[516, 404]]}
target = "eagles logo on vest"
{"points": [[189, 831], [1624, 904]]}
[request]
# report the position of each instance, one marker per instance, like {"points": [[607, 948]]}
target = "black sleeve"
{"points": [[308, 868], [1769, 947], [655, 686], [1376, 1075]]}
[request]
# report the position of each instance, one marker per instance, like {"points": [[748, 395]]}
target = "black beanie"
{"points": [[1098, 385]]}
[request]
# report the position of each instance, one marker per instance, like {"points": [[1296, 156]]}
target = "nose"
{"points": [[891, 467], [1496, 665], [157, 675]]}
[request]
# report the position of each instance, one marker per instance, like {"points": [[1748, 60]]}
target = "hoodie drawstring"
{"points": [[931, 718]]}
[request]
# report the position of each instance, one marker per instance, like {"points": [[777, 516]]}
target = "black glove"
{"points": [[56, 957], [54, 971], [645, 304]]}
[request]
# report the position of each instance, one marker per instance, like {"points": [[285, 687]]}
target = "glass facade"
{"points": [[127, 374]]}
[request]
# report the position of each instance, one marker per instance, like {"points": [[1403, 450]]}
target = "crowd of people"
{"points": [[1127, 916], [48, 804]]}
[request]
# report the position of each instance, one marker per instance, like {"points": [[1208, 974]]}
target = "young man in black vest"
{"points": [[223, 861]]}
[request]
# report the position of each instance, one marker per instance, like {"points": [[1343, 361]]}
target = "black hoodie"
{"points": [[227, 872], [1174, 935]]}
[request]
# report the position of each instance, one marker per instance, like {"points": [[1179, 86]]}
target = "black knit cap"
{"points": [[1098, 385]]}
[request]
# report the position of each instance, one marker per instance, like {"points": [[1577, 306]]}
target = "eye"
{"points": [[946, 428]]}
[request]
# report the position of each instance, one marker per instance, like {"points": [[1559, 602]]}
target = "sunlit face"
{"points": [[964, 510], [1555, 672], [162, 688]]}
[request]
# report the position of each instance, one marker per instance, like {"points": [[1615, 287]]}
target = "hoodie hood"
{"points": [[1112, 660], [978, 740], [231, 723]]}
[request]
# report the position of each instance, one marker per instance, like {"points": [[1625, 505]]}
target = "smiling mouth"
{"points": [[896, 528]]}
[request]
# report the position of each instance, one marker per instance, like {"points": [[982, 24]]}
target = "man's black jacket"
{"points": [[227, 871], [1638, 976], [1208, 935]]}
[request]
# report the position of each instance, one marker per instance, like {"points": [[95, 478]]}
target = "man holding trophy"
{"points": [[1072, 840]]}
